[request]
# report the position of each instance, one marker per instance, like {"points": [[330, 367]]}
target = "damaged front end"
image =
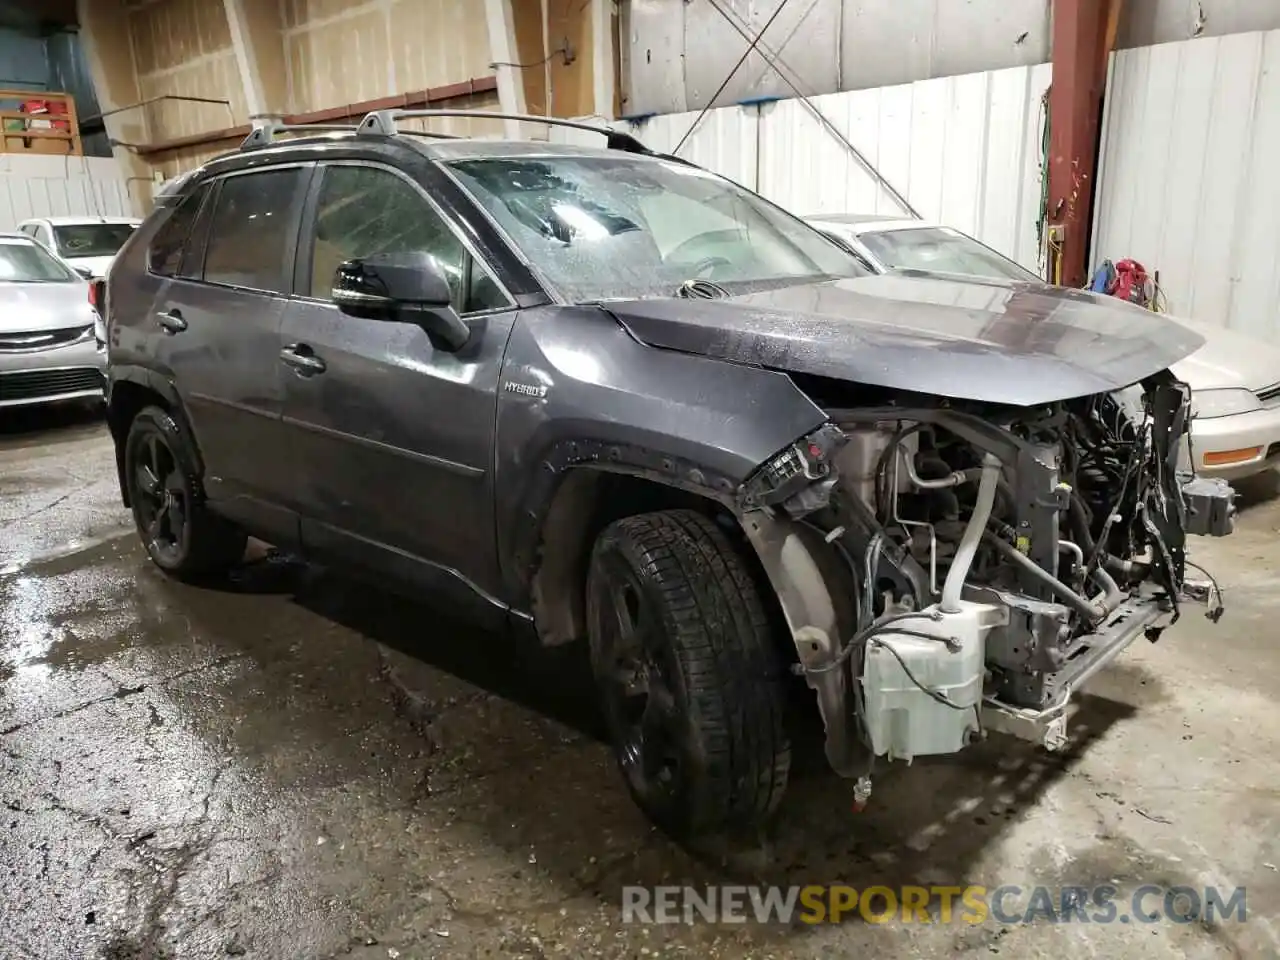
{"points": [[947, 568]]}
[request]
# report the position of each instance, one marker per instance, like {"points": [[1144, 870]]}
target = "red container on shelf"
{"points": [[51, 114]]}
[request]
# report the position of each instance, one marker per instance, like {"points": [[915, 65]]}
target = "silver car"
{"points": [[52, 341], [1235, 379]]}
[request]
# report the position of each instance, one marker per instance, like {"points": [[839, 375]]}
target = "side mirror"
{"points": [[401, 286], [84, 272]]}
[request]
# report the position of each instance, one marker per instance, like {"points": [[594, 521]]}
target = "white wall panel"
{"points": [[962, 150], [55, 186], [726, 139], [1187, 184]]}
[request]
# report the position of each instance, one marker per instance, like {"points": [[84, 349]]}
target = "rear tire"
{"points": [[691, 684], [181, 535]]}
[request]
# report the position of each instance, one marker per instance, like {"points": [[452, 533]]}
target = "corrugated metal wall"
{"points": [[676, 52], [1188, 183], [52, 186], [963, 150]]}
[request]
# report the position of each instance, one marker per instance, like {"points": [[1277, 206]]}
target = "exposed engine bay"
{"points": [[980, 562]]}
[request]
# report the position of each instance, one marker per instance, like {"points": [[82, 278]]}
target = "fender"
{"points": [[163, 387], [578, 391]]}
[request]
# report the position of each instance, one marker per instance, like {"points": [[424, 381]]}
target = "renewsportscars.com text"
{"points": [[1007, 904]]}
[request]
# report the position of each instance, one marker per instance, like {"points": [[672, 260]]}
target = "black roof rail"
{"points": [[265, 134], [383, 123]]}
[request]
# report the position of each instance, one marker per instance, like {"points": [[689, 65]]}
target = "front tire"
{"points": [[690, 681], [181, 535]]}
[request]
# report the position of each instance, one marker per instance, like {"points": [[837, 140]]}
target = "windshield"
{"points": [[613, 227], [24, 261], [91, 239], [941, 250]]}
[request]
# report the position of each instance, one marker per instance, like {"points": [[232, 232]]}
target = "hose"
{"points": [[960, 564], [1009, 552], [1080, 523], [940, 483], [1111, 596]]}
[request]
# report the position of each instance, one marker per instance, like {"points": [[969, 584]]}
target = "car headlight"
{"points": [[805, 462], [1208, 404]]}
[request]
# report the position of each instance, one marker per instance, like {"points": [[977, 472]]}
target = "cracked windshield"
{"points": [[603, 228]]}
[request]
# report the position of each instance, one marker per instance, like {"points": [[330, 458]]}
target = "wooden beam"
{"points": [[1080, 31], [502, 50], [603, 57], [433, 97]]}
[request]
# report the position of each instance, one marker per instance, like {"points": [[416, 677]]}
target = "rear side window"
{"points": [[165, 254], [249, 235]]}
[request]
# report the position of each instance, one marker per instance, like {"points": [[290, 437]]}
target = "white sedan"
{"points": [[1235, 380]]}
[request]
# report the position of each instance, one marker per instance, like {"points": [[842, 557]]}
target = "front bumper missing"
{"points": [[1146, 613]]}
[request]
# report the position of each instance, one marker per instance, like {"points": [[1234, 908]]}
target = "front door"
{"points": [[392, 435], [220, 315]]}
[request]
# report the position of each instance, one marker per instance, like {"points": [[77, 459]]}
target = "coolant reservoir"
{"points": [[904, 721]]}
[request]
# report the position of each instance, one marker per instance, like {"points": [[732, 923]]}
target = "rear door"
{"points": [[220, 315], [393, 436]]}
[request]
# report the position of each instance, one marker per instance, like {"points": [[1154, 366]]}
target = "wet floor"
{"points": [[296, 767]]}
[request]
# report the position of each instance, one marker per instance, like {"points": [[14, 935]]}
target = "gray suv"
{"points": [[599, 394]]}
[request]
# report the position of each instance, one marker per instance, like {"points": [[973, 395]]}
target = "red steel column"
{"points": [[1083, 32]]}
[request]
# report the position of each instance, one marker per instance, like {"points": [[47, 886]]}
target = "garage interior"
{"points": [[291, 765]]}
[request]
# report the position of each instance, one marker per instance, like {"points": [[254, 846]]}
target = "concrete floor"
{"points": [[261, 771]]}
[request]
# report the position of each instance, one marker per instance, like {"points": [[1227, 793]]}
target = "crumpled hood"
{"points": [[1012, 343], [1229, 359]]}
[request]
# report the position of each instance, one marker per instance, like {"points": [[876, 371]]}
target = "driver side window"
{"points": [[366, 210]]}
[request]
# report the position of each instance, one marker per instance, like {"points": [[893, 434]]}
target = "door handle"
{"points": [[171, 321], [300, 357]]}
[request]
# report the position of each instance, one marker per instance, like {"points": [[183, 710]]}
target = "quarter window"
{"points": [[249, 234], [364, 211], [165, 254]]}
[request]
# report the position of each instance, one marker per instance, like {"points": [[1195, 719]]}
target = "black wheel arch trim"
{"points": [[567, 456], [163, 387]]}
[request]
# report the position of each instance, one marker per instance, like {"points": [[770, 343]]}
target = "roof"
{"points": [[72, 221]]}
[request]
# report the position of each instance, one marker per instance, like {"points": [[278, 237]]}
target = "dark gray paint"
{"points": [[436, 470], [1013, 344], [393, 442], [613, 403]]}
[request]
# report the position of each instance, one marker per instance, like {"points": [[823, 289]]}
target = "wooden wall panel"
{"points": [[437, 42], [339, 52], [568, 27], [338, 61], [183, 48]]}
